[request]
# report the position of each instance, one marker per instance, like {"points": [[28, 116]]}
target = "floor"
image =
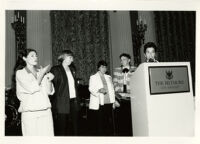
{"points": [[85, 128]]}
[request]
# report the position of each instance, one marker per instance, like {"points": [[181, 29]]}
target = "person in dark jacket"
{"points": [[65, 102]]}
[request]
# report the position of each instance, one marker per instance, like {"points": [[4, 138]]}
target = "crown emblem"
{"points": [[169, 74]]}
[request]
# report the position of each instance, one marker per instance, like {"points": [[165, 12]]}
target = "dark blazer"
{"points": [[61, 99]]}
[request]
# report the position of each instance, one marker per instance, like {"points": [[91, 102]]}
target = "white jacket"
{"points": [[32, 96], [97, 98]]}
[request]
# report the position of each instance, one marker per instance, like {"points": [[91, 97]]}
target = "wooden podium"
{"points": [[162, 102]]}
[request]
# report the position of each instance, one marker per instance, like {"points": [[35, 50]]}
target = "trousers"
{"points": [[66, 124], [37, 123]]}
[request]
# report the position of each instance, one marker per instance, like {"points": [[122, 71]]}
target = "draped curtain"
{"points": [[85, 33], [176, 37]]}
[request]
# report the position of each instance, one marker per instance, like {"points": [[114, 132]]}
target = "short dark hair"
{"points": [[150, 44], [101, 63], [61, 57], [125, 55]]}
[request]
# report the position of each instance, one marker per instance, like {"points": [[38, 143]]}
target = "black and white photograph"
{"points": [[100, 73]]}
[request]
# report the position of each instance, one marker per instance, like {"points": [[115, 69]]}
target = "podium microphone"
{"points": [[151, 60]]}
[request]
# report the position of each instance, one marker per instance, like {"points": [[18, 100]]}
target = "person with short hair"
{"points": [[33, 86], [65, 102], [102, 97], [122, 74], [150, 50], [121, 82]]}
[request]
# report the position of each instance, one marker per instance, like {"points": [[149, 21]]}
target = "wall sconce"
{"points": [[141, 29], [138, 39], [19, 26]]}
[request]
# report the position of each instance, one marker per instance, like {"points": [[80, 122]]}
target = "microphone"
{"points": [[151, 60]]}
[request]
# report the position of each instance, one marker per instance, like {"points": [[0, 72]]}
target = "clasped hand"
{"points": [[50, 76], [103, 90]]}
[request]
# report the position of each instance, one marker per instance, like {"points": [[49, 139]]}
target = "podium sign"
{"points": [[168, 79]]}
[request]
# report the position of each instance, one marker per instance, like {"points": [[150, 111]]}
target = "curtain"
{"points": [[85, 33], [176, 37]]}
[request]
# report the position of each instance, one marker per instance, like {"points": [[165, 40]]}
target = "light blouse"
{"points": [[32, 96]]}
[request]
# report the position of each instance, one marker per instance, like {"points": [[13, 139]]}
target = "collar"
{"points": [[27, 70], [100, 73]]}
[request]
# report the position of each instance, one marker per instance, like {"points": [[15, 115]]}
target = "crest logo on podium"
{"points": [[169, 74]]}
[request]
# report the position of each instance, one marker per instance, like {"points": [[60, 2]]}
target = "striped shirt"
{"points": [[118, 79]]}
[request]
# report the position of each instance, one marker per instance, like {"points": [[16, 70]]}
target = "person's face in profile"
{"points": [[68, 60], [103, 69], [125, 61], [31, 58], [150, 53]]}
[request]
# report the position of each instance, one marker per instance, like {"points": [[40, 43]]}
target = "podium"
{"points": [[162, 102]]}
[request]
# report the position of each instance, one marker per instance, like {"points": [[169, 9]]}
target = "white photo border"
{"points": [[150, 5]]}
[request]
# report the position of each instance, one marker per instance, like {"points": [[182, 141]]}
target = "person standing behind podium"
{"points": [[65, 103], [150, 50], [102, 97], [121, 82]]}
